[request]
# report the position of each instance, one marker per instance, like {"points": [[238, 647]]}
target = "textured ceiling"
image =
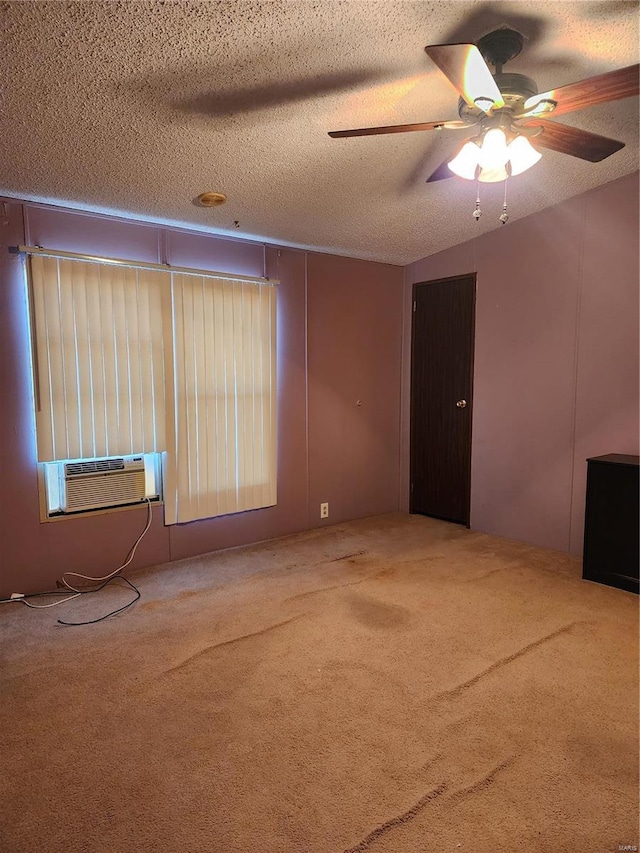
{"points": [[136, 108]]}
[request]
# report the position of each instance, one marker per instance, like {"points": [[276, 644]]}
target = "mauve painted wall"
{"points": [[355, 335], [608, 362], [355, 469], [556, 360]]}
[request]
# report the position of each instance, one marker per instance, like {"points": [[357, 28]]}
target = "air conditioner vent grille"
{"points": [[93, 467], [102, 483], [115, 490]]}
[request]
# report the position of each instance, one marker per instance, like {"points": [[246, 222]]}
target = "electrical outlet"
{"points": [[324, 510]]}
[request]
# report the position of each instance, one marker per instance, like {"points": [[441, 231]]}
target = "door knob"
{"points": [[461, 404]]}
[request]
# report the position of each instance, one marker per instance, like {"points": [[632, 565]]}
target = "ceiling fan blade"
{"points": [[464, 66], [399, 128], [573, 141], [441, 172], [622, 83]]}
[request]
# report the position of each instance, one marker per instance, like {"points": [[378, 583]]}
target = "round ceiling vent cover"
{"points": [[211, 199]]}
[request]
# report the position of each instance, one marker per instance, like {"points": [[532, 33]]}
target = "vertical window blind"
{"points": [[225, 375], [103, 334], [133, 360]]}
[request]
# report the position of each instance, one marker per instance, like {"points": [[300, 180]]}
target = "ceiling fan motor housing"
{"points": [[500, 46], [515, 90]]}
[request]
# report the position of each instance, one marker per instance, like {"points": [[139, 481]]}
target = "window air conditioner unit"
{"points": [[101, 483]]}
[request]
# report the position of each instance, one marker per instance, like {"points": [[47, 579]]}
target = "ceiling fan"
{"points": [[508, 113]]}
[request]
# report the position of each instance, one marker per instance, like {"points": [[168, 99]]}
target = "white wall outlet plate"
{"points": [[324, 510]]}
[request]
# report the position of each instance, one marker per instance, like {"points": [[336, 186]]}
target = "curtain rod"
{"points": [[140, 265]]}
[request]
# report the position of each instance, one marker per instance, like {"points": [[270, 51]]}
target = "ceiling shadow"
{"points": [[256, 79], [533, 60], [444, 147], [244, 99], [493, 16], [610, 8]]}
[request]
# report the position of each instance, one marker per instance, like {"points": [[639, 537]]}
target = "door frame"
{"points": [[415, 286]]}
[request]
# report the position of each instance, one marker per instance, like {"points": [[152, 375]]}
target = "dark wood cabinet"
{"points": [[611, 530]]}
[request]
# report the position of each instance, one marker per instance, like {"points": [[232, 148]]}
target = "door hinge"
{"points": [[414, 306]]}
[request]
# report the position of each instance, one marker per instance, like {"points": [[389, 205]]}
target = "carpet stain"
{"points": [[155, 604], [455, 691], [230, 642], [152, 605], [386, 574], [377, 614], [398, 820]]}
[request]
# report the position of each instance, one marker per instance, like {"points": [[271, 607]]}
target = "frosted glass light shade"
{"points": [[465, 163], [522, 155], [494, 160], [494, 152]]}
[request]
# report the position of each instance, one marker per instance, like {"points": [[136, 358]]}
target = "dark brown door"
{"points": [[441, 397]]}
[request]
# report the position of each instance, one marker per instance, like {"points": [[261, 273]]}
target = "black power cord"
{"points": [[112, 612], [62, 591], [65, 587]]}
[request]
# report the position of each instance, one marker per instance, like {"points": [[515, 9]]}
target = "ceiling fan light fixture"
{"points": [[522, 155], [465, 163], [539, 107], [494, 161], [484, 103], [494, 152]]}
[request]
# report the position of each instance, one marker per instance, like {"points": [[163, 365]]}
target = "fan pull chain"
{"points": [[477, 213], [504, 216]]}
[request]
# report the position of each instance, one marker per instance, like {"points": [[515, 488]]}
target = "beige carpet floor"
{"points": [[390, 685]]}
